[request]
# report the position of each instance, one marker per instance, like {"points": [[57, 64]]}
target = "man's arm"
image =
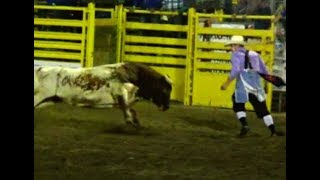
{"points": [[262, 67], [226, 83], [235, 70]]}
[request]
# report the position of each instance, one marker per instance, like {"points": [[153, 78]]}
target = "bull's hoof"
{"points": [[136, 121], [134, 124], [137, 125]]}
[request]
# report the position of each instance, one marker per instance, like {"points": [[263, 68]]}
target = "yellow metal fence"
{"points": [[196, 67], [158, 46], [212, 60], [64, 39]]}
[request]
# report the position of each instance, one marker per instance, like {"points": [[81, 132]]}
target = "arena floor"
{"points": [[76, 143]]}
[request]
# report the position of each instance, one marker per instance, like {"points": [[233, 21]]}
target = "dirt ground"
{"points": [[73, 143]]}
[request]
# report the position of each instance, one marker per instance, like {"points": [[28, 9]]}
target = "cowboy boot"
{"points": [[244, 130]]}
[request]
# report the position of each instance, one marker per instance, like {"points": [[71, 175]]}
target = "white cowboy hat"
{"points": [[236, 40]]}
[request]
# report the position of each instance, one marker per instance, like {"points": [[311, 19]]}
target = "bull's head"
{"points": [[162, 100], [152, 85]]}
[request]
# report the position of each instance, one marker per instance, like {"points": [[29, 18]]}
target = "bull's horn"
{"points": [[168, 79]]}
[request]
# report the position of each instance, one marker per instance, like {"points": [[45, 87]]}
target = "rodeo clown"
{"points": [[247, 67]]}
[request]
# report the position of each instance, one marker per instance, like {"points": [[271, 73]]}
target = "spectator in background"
{"points": [[281, 17], [151, 5], [263, 9], [241, 7], [209, 6], [175, 5], [228, 7], [65, 14], [284, 18], [63, 2]]}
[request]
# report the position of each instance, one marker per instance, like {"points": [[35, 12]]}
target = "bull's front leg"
{"points": [[129, 114]]}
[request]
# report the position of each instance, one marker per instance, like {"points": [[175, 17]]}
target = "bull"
{"points": [[118, 85]]}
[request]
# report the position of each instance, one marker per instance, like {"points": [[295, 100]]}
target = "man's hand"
{"points": [[224, 86]]}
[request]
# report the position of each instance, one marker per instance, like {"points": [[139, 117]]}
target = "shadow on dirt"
{"points": [[127, 129], [208, 123]]}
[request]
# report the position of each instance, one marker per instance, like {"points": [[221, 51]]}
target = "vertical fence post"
{"points": [[219, 12], [90, 35], [190, 58], [119, 14], [272, 55]]}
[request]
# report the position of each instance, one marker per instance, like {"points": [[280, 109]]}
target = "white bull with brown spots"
{"points": [[113, 85]]}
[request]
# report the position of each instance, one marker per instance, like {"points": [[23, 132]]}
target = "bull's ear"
{"points": [[167, 78]]}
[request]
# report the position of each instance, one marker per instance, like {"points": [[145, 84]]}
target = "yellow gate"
{"points": [[62, 39], [166, 54], [197, 67], [212, 60]]}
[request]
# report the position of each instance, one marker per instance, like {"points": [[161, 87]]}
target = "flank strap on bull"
{"points": [[275, 80]]}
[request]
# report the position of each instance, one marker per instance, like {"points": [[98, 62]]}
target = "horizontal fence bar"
{"points": [[59, 22], [212, 66], [104, 10], [160, 27], [155, 59], [155, 50], [105, 22], [138, 11], [57, 55], [213, 55], [231, 32], [155, 40], [220, 45], [58, 35], [49, 7], [201, 15], [57, 45]]}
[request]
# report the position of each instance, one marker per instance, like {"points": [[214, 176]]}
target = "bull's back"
{"points": [[89, 86]]}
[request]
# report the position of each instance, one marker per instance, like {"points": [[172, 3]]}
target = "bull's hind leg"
{"points": [[134, 116]]}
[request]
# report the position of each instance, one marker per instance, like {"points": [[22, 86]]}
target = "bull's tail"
{"points": [[48, 99]]}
